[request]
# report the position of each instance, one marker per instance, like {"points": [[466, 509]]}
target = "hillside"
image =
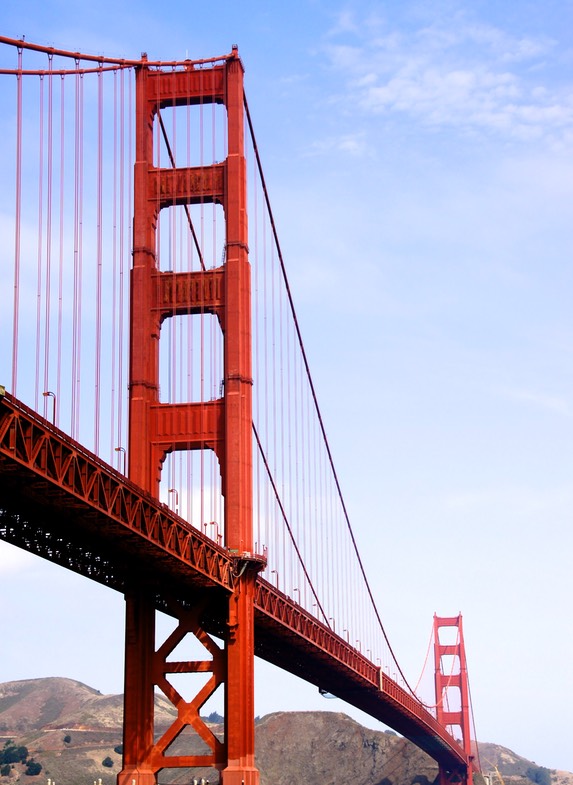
{"points": [[70, 729]]}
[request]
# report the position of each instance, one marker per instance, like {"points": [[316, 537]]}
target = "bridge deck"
{"points": [[63, 503]]}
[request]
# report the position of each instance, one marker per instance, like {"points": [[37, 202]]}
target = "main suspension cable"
{"points": [[313, 393]]}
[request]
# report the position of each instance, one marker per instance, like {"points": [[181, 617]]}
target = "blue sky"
{"points": [[418, 157]]}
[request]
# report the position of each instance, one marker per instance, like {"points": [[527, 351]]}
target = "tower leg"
{"points": [[138, 694], [147, 668], [240, 692]]}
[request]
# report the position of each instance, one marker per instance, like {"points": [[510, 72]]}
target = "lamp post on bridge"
{"points": [[175, 492], [218, 536], [124, 454], [50, 394]]}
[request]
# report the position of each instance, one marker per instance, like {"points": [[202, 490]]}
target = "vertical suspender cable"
{"points": [[48, 282], [17, 227], [314, 398], [77, 219], [121, 218], [174, 326], [187, 250], [130, 189], [77, 257], [256, 376], [115, 292], [202, 314], [301, 581], [316, 511], [81, 253], [99, 260], [214, 327], [61, 239], [39, 243], [266, 373], [281, 412]]}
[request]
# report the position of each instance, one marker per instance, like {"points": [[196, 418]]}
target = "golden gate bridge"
{"points": [[159, 429]]}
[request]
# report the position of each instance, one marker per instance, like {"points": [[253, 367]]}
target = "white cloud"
{"points": [[344, 23], [456, 74], [351, 144], [540, 400]]}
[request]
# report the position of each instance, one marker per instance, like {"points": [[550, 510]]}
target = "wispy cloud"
{"points": [[351, 144], [453, 72], [540, 400]]}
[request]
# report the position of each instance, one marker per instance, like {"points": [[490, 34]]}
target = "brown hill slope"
{"points": [[329, 747], [53, 703], [71, 729], [34, 704]]}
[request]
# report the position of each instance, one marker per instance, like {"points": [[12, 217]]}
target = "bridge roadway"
{"points": [[63, 503]]}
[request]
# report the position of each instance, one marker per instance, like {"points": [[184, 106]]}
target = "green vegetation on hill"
{"points": [[11, 754], [539, 774]]}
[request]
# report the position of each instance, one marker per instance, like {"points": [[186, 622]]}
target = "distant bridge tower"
{"points": [[223, 425], [451, 682]]}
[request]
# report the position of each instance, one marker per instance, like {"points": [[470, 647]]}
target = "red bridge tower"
{"points": [[223, 425], [451, 678]]}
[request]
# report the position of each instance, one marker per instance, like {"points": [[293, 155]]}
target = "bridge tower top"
{"points": [[222, 425]]}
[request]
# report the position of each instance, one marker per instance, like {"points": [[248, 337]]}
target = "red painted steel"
{"points": [[39, 458], [223, 426], [294, 640], [54, 505], [455, 679], [237, 475], [62, 502]]}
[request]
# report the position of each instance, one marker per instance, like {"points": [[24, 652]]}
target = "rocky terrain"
{"points": [[74, 733]]}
